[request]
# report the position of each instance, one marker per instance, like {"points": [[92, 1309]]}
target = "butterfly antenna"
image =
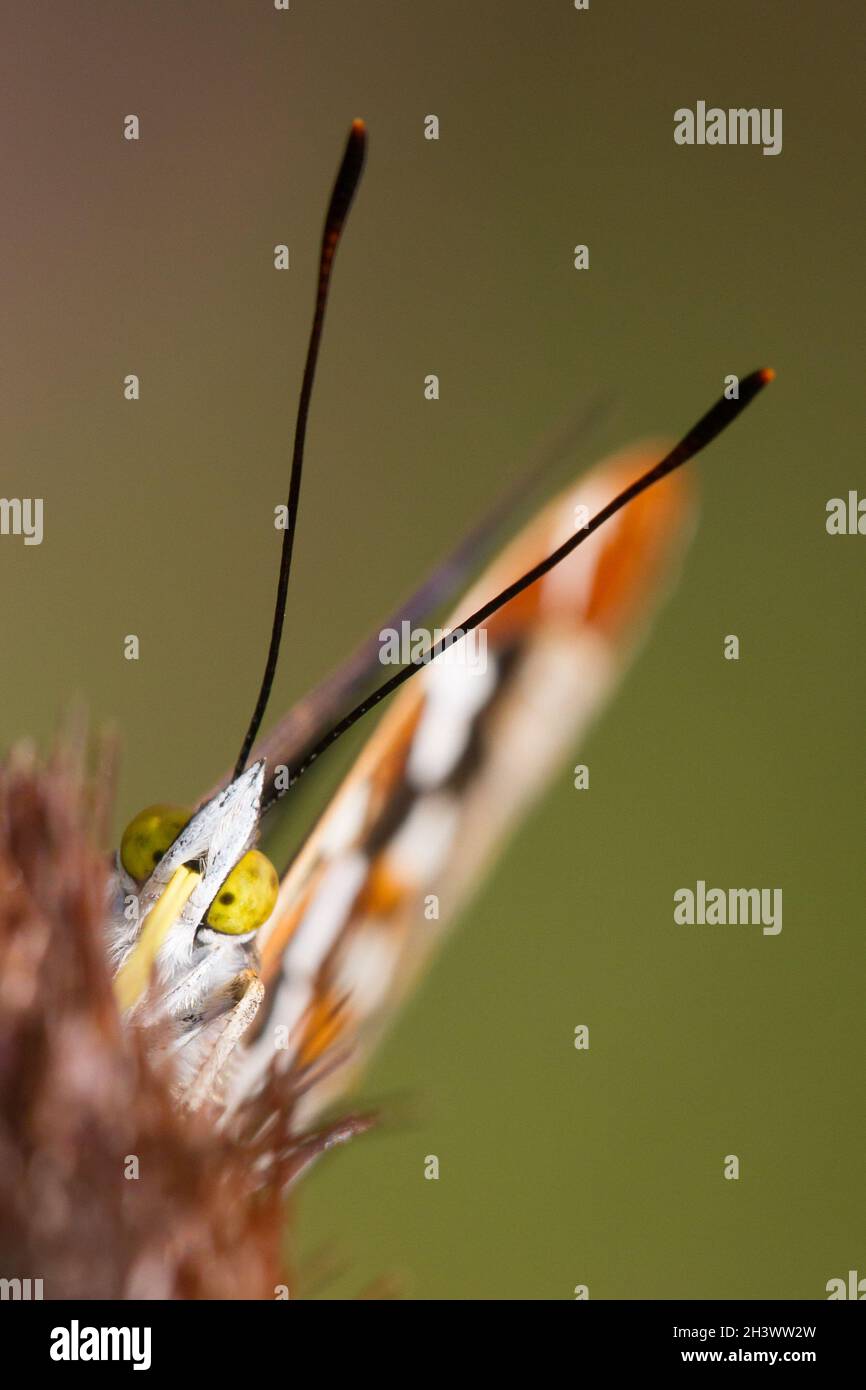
{"points": [[717, 418], [338, 209]]}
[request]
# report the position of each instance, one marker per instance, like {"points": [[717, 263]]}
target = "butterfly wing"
{"points": [[454, 763]]}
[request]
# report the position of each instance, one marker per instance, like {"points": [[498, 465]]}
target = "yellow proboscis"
{"points": [[133, 977]]}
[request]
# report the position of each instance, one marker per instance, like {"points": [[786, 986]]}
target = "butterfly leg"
{"points": [[248, 992]]}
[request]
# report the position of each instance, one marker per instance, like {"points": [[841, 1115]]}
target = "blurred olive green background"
{"points": [[557, 1167]]}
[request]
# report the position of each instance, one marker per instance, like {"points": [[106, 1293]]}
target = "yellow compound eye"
{"points": [[247, 897], [148, 836]]}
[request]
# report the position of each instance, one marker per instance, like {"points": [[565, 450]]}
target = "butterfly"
{"points": [[242, 972]]}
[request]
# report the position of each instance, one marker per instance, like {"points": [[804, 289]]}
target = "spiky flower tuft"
{"points": [[108, 1187]]}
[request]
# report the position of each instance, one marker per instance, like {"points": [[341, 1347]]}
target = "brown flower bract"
{"points": [[79, 1099]]}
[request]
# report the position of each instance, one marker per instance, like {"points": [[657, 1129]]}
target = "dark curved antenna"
{"points": [[338, 209], [716, 419]]}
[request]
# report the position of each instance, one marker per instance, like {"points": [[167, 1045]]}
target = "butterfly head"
{"points": [[244, 898], [197, 887]]}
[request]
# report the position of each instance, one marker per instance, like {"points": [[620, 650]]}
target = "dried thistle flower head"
{"points": [[109, 1188]]}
